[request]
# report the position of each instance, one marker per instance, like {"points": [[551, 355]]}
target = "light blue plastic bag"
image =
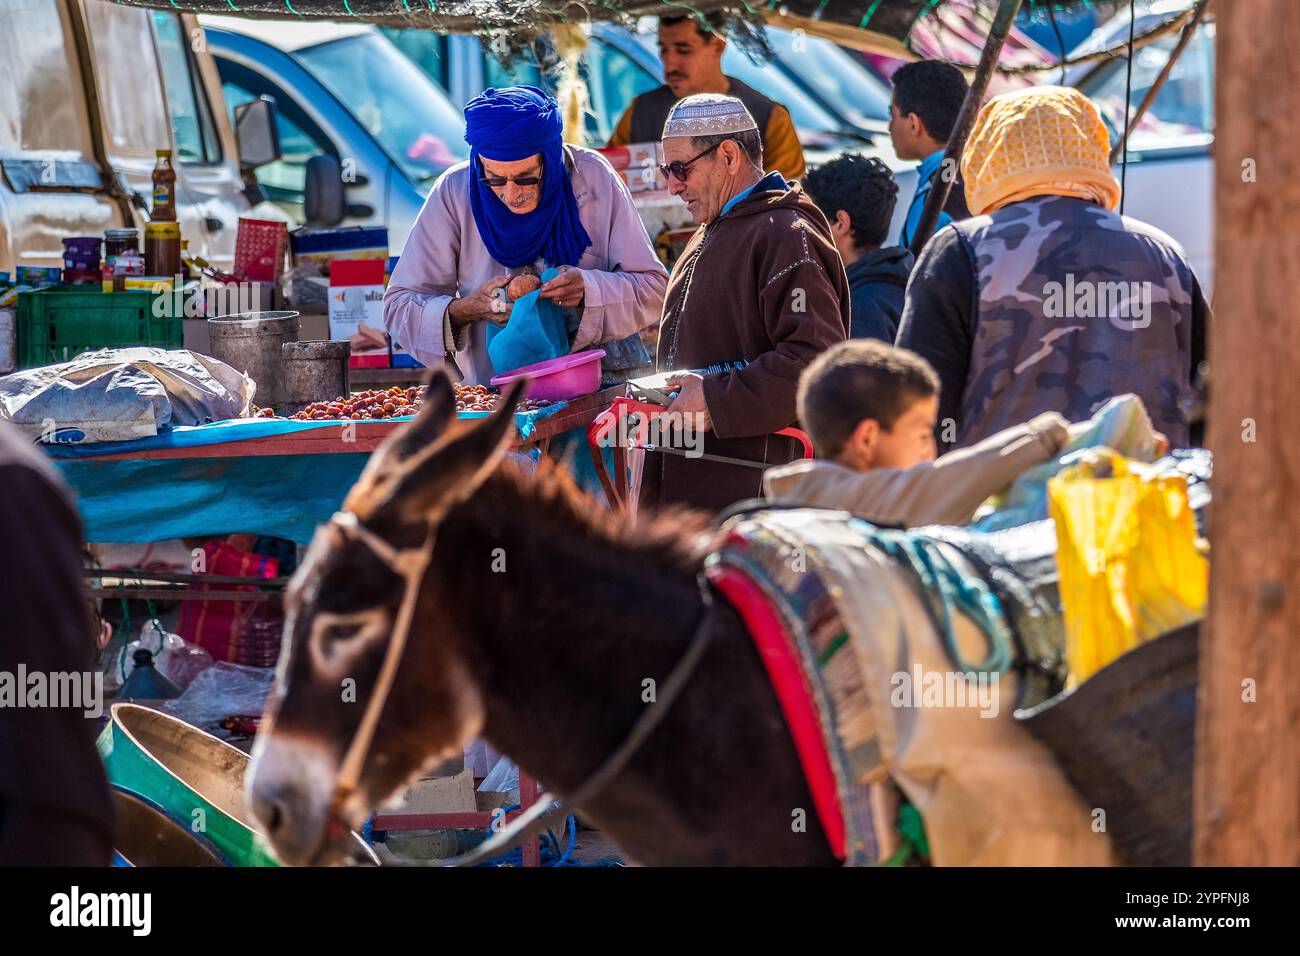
{"points": [[1122, 424], [535, 332]]}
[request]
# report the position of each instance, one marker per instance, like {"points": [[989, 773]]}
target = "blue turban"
{"points": [[508, 125]]}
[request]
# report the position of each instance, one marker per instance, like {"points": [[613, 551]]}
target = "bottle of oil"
{"points": [[164, 188]]}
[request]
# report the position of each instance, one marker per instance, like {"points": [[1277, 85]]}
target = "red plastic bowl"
{"points": [[559, 379]]}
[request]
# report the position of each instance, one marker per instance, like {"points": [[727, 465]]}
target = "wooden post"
{"points": [[1248, 717], [970, 108]]}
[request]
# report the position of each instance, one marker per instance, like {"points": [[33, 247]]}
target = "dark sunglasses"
{"points": [[679, 170], [498, 182]]}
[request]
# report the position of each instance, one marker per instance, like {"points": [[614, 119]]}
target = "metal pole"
{"points": [[1006, 16], [1184, 38]]}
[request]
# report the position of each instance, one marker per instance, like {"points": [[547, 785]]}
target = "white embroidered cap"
{"points": [[708, 114]]}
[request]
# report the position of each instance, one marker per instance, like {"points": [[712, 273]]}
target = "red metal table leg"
{"points": [[529, 791]]}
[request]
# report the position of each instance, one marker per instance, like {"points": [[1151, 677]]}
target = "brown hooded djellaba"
{"points": [[757, 294]]}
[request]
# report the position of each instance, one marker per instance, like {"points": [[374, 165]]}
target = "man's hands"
{"points": [[478, 307], [690, 400], [567, 289]]}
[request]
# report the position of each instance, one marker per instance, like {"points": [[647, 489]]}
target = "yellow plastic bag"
{"points": [[1130, 565]]}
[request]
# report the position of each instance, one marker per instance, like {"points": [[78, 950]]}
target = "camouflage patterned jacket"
{"points": [[1055, 304]]}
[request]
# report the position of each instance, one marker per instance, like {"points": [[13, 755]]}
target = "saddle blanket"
{"points": [[880, 712]]}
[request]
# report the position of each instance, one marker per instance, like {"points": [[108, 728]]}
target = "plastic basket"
{"points": [[56, 325]]}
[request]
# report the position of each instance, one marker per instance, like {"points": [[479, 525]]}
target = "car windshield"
{"points": [[834, 76], [1183, 111], [401, 107]]}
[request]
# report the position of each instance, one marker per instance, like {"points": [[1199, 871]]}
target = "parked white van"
{"points": [[88, 91]]}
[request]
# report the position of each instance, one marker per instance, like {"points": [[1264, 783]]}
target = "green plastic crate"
{"points": [[55, 325]]}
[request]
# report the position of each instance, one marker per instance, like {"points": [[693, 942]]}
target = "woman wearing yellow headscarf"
{"points": [[1048, 299]]}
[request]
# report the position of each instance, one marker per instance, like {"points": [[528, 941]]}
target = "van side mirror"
{"points": [[258, 132], [324, 202]]}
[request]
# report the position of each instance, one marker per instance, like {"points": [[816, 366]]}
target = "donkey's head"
{"points": [[357, 710]]}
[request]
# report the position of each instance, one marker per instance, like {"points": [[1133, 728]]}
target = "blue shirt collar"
{"points": [[930, 165], [770, 181]]}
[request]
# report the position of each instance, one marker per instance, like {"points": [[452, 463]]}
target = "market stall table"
{"points": [[272, 477]]}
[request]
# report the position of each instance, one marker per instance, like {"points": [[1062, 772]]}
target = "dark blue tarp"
{"points": [[141, 499]]}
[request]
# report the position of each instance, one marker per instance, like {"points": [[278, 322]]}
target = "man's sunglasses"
{"points": [[499, 182], [679, 170]]}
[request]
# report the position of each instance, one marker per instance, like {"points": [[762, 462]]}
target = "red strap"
{"points": [[793, 692]]}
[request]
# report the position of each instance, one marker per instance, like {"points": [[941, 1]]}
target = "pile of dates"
{"points": [[379, 405], [370, 405], [479, 398]]}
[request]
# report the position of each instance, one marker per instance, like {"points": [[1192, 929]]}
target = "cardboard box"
{"points": [[356, 310], [313, 326], [633, 155], [323, 247], [260, 247], [453, 794]]}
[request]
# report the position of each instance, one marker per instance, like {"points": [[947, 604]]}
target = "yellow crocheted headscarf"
{"points": [[1042, 141]]}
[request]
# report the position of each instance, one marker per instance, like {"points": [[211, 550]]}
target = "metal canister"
{"points": [[8, 341], [253, 343], [314, 372]]}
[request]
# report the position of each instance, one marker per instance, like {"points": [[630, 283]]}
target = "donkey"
{"points": [[538, 620]]}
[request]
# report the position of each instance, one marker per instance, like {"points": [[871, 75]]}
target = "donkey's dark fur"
{"points": [[558, 613]]}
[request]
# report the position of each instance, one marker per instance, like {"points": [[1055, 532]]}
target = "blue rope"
{"points": [[551, 855]]}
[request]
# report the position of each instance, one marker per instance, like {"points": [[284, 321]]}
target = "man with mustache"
{"points": [[691, 50], [758, 293], [525, 201]]}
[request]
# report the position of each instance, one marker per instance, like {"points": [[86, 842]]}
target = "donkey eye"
{"points": [[334, 637], [335, 633]]}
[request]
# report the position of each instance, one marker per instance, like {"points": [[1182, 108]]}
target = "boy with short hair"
{"points": [[928, 96], [871, 411]]}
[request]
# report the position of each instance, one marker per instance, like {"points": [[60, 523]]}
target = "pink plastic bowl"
{"points": [[558, 379]]}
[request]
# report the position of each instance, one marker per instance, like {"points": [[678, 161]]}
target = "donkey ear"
{"points": [[437, 410], [445, 475]]}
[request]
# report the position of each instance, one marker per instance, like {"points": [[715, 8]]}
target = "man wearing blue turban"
{"points": [[524, 202]]}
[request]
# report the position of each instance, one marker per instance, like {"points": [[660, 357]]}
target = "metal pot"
{"points": [[253, 343], [314, 372]]}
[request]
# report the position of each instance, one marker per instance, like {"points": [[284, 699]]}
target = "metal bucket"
{"points": [[253, 343], [185, 771], [144, 835], [314, 372], [8, 341], [1125, 737]]}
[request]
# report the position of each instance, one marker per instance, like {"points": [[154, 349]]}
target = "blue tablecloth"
{"points": [[143, 499]]}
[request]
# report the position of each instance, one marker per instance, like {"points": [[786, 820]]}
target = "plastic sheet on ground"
{"points": [[221, 690]]}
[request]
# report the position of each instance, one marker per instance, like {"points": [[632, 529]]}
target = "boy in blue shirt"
{"points": [[927, 98]]}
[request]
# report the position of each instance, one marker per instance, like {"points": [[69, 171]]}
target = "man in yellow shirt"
{"points": [[691, 52]]}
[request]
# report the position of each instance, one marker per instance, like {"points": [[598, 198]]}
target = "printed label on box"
{"points": [[356, 309]]}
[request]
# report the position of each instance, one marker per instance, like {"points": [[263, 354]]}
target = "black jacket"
{"points": [[877, 281]]}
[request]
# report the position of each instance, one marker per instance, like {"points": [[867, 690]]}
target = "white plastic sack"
{"points": [[119, 394]]}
